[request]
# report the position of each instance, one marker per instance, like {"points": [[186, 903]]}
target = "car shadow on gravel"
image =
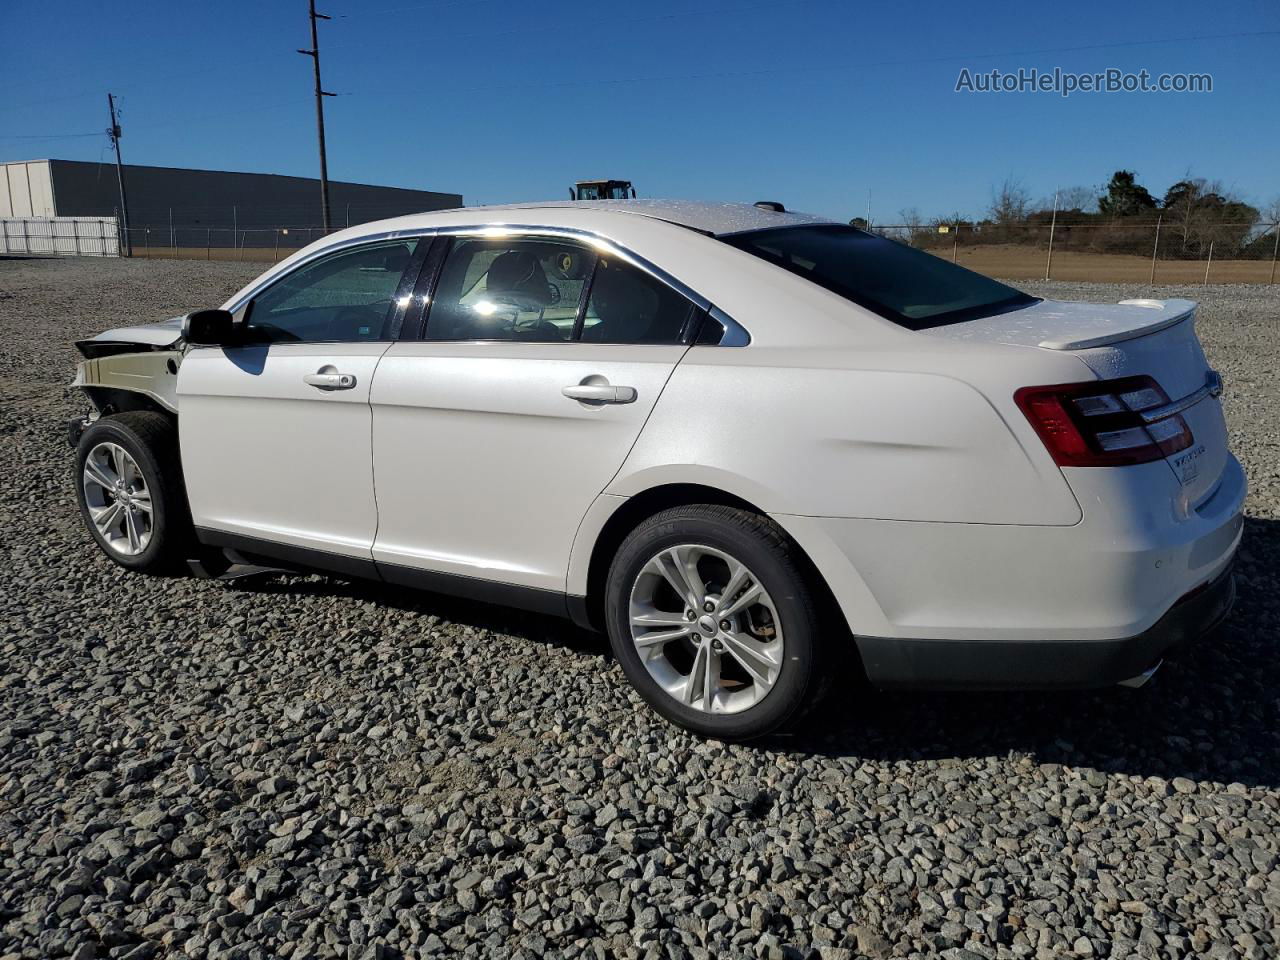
{"points": [[534, 627], [1211, 714]]}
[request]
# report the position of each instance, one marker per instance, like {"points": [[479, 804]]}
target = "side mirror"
{"points": [[208, 328]]}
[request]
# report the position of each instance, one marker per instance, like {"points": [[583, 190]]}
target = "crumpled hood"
{"points": [[1063, 325], [163, 334]]}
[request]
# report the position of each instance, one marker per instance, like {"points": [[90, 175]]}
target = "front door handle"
{"points": [[330, 381], [599, 393]]}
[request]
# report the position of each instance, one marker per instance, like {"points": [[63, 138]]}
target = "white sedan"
{"points": [[741, 440]]}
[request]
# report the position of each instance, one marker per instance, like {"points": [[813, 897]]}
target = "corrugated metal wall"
{"points": [[61, 236], [221, 199], [26, 189]]}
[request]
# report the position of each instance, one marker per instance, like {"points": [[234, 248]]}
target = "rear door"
{"points": [[493, 434], [276, 431]]}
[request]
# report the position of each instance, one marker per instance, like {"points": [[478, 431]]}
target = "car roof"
{"points": [[717, 219], [650, 228]]}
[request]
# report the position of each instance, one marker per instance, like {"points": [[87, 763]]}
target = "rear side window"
{"points": [[534, 290], [912, 288], [628, 305], [510, 290]]}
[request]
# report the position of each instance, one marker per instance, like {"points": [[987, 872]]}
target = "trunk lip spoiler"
{"points": [[1212, 388], [1182, 311]]}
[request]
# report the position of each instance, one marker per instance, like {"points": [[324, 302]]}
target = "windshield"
{"points": [[912, 288]]}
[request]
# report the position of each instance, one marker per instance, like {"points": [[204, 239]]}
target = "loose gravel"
{"points": [[303, 767]]}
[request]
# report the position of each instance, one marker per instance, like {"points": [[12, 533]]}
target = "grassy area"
{"points": [[995, 260], [245, 254], [1028, 263]]}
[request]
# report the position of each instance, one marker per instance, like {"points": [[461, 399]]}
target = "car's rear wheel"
{"points": [[129, 487], [712, 617]]}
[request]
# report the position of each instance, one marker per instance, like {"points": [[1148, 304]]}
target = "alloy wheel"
{"points": [[705, 629], [118, 499]]}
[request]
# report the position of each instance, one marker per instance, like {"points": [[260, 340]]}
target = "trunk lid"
{"points": [[1152, 337]]}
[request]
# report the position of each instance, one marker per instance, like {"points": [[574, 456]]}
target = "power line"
{"points": [[381, 41], [47, 136], [612, 24], [654, 78], [437, 5], [852, 65], [860, 65]]}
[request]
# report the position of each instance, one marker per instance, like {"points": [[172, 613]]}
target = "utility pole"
{"points": [[314, 54], [114, 133], [1048, 264]]}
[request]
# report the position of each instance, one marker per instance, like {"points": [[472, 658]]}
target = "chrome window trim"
{"points": [[735, 334], [369, 238]]}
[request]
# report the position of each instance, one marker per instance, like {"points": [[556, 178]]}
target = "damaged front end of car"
{"points": [[129, 368]]}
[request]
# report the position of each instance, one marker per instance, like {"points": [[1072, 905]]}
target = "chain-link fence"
{"points": [[257, 244], [1154, 251], [247, 232], [1159, 251]]}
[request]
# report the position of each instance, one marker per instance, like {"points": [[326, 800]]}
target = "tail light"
{"points": [[1104, 423]]}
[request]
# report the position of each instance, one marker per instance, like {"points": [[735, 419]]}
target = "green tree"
{"points": [[1125, 197]]}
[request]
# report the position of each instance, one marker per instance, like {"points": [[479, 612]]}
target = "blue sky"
{"points": [[811, 102]]}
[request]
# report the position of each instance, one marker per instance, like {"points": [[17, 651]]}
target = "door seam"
{"points": [[621, 463], [373, 462]]}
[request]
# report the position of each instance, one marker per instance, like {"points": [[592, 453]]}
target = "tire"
{"points": [[152, 474], [781, 629]]}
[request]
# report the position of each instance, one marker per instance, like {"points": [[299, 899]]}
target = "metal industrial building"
{"points": [[177, 207]]}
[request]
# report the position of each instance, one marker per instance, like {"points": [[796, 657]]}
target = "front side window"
{"points": [[509, 290], [346, 296], [911, 288], [628, 305]]}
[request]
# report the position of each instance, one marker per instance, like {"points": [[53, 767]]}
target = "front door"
{"points": [[276, 431], [493, 435]]}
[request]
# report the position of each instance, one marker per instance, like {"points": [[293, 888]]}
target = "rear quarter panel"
{"points": [[872, 433]]}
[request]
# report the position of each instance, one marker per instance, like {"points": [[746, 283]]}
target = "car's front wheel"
{"points": [[713, 619], [129, 487]]}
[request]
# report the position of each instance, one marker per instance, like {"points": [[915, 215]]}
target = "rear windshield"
{"points": [[912, 288]]}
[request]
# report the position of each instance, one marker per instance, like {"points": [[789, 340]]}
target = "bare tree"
{"points": [[1271, 212], [1204, 212], [1009, 202], [918, 230], [1077, 199], [1181, 203]]}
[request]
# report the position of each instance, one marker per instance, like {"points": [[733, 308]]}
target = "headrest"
{"points": [[620, 292], [517, 274]]}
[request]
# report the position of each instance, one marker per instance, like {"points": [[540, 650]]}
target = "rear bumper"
{"points": [[1046, 664], [1109, 577]]}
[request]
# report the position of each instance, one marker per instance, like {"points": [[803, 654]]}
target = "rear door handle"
{"points": [[330, 381], [599, 393]]}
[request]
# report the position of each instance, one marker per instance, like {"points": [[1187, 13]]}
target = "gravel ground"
{"points": [[304, 767]]}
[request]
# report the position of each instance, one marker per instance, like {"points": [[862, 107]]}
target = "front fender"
{"points": [[151, 374]]}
